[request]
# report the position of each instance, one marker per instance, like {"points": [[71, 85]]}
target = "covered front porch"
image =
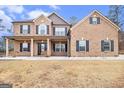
{"points": [[39, 46]]}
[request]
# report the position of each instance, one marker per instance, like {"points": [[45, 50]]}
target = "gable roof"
{"points": [[59, 17], [113, 24], [41, 16], [33, 20]]}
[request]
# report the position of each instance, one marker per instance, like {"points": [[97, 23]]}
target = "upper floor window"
{"points": [[25, 29], [60, 31], [82, 45], [42, 29], [107, 45], [94, 20]]}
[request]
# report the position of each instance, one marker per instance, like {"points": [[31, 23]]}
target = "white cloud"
{"points": [[13, 8], [6, 22], [6, 19], [35, 13], [55, 7]]}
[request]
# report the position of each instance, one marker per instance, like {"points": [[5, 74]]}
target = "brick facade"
{"points": [[94, 33], [83, 30]]}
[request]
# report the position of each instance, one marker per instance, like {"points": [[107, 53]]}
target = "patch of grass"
{"points": [[71, 74], [56, 67], [62, 73]]}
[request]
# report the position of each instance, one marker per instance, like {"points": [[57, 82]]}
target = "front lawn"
{"points": [[62, 73]]}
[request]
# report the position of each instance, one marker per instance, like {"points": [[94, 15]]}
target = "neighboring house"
{"points": [[95, 35]]}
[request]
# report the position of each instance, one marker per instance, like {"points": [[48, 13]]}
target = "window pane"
{"points": [[106, 45], [25, 46], [94, 20], [82, 48], [60, 47], [60, 31], [25, 29], [57, 47], [42, 47], [63, 47], [42, 29], [82, 45]]}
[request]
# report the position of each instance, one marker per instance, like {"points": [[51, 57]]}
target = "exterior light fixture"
{"points": [[42, 21], [82, 38], [94, 15], [107, 38]]}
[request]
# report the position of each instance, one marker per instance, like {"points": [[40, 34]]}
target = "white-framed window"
{"points": [[94, 20], [59, 47], [82, 45], [60, 31], [107, 45], [25, 46], [62, 47], [42, 29], [24, 29]]}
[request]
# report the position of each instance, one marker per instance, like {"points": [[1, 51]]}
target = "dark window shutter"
{"points": [[66, 32], [47, 29], [102, 45], [39, 48], [53, 30], [21, 28], [45, 46], [77, 45], [20, 47], [28, 29], [37, 29], [54, 47], [98, 20], [112, 45], [87, 45], [29, 47], [66, 47], [90, 20]]}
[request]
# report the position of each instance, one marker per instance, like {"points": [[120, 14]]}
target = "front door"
{"points": [[41, 48]]}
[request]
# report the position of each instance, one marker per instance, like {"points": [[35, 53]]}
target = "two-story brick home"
{"points": [[94, 35], [42, 36]]}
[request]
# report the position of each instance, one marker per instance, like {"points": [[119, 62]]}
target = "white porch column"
{"points": [[48, 47], [32, 46], [68, 47], [7, 46]]}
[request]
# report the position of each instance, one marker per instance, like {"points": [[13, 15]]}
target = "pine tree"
{"points": [[73, 20], [116, 13], [2, 28]]}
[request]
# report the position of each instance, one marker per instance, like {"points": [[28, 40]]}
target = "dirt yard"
{"points": [[62, 74]]}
